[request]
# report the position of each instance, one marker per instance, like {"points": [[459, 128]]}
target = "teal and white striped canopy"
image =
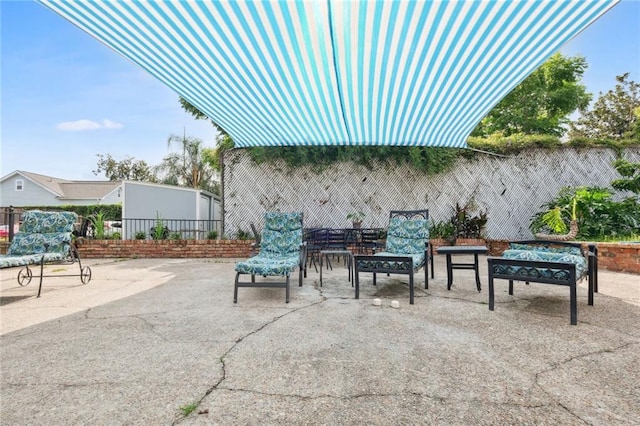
{"points": [[338, 72]]}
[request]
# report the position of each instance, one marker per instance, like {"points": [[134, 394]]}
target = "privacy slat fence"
{"points": [[511, 189]]}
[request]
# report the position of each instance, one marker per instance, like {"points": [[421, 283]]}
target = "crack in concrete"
{"points": [[223, 364], [566, 361], [438, 398]]}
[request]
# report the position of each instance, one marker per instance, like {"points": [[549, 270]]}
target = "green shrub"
{"points": [[243, 235], [140, 235], [212, 235], [597, 215], [97, 220], [175, 236], [467, 225], [116, 236], [444, 229]]}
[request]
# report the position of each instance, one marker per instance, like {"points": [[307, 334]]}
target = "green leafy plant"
{"points": [[597, 215], [140, 235], [465, 223], [243, 235], [116, 236], [630, 173], [159, 231], [97, 220], [175, 236], [212, 235], [443, 229], [356, 216]]}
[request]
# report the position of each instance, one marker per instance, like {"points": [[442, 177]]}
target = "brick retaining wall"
{"points": [[619, 257], [165, 248]]}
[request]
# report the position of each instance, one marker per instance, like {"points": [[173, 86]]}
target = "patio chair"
{"points": [[45, 238], [407, 249], [281, 252], [316, 240]]}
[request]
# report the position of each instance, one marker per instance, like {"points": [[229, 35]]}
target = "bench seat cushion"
{"points": [[26, 244], [267, 265], [418, 260], [546, 256], [7, 261]]}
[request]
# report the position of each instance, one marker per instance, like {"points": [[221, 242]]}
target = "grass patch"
{"points": [[188, 409]]}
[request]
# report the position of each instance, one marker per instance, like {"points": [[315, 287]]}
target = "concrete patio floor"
{"points": [[147, 338]]}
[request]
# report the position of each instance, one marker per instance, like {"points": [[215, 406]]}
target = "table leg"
{"points": [[475, 262], [449, 272]]}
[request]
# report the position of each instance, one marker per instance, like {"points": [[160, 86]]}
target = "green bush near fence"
{"points": [[109, 211]]}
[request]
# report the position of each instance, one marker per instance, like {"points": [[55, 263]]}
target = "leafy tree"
{"points": [[223, 141], [542, 102], [187, 168], [615, 115], [127, 169]]}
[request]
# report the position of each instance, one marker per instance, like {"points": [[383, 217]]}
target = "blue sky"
{"points": [[65, 97]]}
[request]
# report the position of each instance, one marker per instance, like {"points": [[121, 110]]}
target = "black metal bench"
{"points": [[547, 262]]}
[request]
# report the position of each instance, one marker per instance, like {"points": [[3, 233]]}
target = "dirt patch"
{"points": [[388, 288]]}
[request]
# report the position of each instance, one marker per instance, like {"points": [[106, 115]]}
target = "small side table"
{"points": [[324, 254], [451, 250]]}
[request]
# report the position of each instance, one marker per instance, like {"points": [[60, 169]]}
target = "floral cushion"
{"points": [[279, 246], [268, 265], [27, 244], [551, 249], [36, 221], [282, 222], [418, 259], [407, 236], [579, 261], [7, 261], [281, 243]]}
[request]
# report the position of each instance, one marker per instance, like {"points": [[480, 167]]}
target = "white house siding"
{"points": [[32, 194], [511, 189], [145, 200], [151, 201]]}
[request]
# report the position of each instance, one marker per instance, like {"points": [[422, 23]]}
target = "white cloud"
{"points": [[82, 125]]}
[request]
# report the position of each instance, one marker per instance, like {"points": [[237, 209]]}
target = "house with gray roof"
{"points": [[139, 200], [21, 188]]}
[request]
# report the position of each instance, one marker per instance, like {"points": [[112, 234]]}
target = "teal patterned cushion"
{"points": [[36, 221], [266, 265], [418, 258], [281, 243], [579, 261], [26, 244], [283, 222], [7, 261], [551, 249], [279, 246], [407, 236]]}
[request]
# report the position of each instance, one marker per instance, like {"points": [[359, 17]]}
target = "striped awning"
{"points": [[348, 72]]}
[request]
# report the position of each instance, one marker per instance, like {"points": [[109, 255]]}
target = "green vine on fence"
{"points": [[428, 160]]}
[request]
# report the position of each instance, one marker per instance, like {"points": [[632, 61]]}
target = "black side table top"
{"points": [[462, 249]]}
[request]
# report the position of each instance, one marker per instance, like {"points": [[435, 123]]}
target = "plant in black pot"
{"points": [[466, 224], [356, 218]]}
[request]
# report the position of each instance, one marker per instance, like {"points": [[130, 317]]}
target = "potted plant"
{"points": [[553, 220], [356, 218]]}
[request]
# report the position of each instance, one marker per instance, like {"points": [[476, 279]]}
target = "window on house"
{"points": [[19, 184]]}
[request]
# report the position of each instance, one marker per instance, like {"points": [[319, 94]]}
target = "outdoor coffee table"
{"points": [[451, 250], [324, 254]]}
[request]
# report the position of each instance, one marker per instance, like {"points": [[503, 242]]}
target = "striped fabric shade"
{"points": [[338, 72]]}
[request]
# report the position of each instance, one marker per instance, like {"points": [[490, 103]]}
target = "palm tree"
{"points": [[188, 168]]}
